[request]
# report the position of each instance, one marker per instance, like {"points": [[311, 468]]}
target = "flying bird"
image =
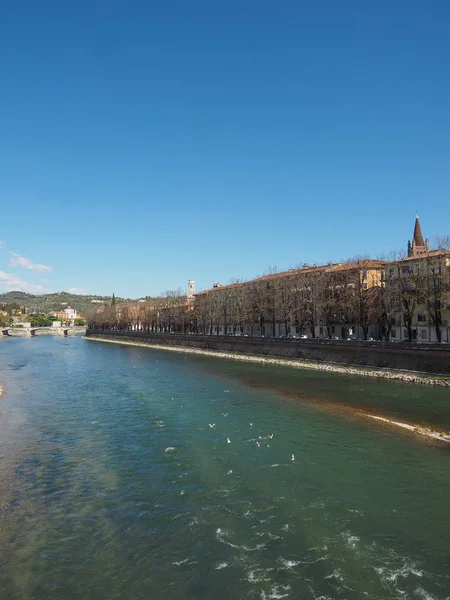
{"points": [[212, 425], [270, 436], [292, 456], [228, 441], [224, 414], [258, 444]]}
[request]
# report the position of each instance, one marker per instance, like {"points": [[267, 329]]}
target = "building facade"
{"points": [[406, 299], [419, 284]]}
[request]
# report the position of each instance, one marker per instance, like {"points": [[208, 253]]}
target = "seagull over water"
{"points": [[228, 441], [212, 425], [270, 436], [224, 414], [292, 456]]}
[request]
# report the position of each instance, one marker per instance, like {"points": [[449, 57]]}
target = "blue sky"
{"points": [[147, 143]]}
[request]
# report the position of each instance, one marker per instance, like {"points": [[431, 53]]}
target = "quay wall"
{"points": [[412, 357]]}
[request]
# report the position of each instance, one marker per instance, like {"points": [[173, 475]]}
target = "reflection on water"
{"points": [[117, 480]]}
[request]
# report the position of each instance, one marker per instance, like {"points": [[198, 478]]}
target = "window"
{"points": [[405, 333], [423, 334], [332, 329], [421, 318], [392, 320], [406, 270], [393, 333]]}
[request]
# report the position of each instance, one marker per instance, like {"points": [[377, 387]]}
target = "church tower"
{"points": [[418, 247], [190, 290]]}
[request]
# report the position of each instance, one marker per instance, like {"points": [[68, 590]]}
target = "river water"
{"points": [[117, 479]]}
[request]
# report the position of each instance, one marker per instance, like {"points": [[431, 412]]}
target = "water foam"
{"points": [[221, 534], [288, 564], [256, 576], [276, 592], [336, 574], [426, 595], [184, 562], [392, 575], [350, 540]]}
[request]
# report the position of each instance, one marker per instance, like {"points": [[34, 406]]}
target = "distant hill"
{"points": [[47, 303]]}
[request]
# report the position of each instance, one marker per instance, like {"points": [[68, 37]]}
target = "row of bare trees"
{"points": [[303, 299], [416, 292], [361, 293]]}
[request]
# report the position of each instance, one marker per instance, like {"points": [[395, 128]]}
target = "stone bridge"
{"points": [[33, 331]]}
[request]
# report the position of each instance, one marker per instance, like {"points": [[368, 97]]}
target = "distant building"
{"points": [[191, 290], [67, 314]]}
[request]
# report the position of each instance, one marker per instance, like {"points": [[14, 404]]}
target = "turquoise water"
{"points": [[113, 484]]}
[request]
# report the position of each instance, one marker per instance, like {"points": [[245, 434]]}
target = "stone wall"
{"points": [[410, 357]]}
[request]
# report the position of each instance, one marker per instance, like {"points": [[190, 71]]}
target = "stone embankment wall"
{"points": [[411, 357]]}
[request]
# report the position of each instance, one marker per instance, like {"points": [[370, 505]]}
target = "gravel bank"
{"points": [[299, 364], [425, 431]]}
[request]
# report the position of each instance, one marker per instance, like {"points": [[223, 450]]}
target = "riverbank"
{"points": [[417, 429], [416, 378]]}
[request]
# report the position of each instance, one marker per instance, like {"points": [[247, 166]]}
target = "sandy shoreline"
{"points": [[299, 364], [424, 431]]}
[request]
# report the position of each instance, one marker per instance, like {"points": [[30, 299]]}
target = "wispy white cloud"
{"points": [[10, 282], [2, 243], [21, 261], [81, 291]]}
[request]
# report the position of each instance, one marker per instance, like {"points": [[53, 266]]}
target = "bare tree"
{"points": [[437, 286], [406, 277]]}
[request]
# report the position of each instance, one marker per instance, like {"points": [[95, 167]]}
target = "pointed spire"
{"points": [[418, 237]]}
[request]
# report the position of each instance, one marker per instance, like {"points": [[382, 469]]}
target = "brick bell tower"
{"points": [[418, 247]]}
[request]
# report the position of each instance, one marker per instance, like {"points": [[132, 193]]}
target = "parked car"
{"points": [[303, 337]]}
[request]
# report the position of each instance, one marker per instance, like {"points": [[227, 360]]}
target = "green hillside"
{"points": [[47, 303]]}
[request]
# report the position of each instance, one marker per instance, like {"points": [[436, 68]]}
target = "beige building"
{"points": [[405, 299], [335, 300], [419, 286]]}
